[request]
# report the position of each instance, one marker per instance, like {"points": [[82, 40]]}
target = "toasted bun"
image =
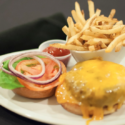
{"points": [[75, 108], [34, 94]]}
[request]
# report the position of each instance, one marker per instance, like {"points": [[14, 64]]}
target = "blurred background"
{"points": [[16, 12]]}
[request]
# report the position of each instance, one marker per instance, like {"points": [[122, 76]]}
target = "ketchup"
{"points": [[56, 51]]}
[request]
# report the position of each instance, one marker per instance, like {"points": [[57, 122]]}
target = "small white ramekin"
{"points": [[64, 59], [113, 56], [87, 55]]}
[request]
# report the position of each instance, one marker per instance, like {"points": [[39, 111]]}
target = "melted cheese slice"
{"points": [[101, 78]]}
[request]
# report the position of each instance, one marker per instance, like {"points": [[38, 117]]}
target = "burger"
{"points": [[92, 88], [32, 74]]}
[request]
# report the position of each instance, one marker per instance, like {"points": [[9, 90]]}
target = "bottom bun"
{"points": [[76, 109], [34, 94]]}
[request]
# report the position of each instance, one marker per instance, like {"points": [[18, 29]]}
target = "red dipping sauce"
{"points": [[56, 51], [60, 54]]}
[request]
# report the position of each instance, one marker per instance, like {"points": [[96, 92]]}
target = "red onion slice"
{"points": [[31, 54], [41, 63], [43, 68], [33, 76]]}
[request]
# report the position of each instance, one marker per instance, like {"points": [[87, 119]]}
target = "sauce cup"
{"points": [[65, 59]]}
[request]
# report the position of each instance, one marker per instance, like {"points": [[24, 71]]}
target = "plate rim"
{"points": [[4, 102]]}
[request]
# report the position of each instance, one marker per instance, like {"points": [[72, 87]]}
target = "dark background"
{"points": [[17, 12]]}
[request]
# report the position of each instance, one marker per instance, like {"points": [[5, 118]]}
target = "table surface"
{"points": [[16, 12]]}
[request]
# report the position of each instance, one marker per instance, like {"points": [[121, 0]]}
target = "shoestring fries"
{"points": [[97, 32]]}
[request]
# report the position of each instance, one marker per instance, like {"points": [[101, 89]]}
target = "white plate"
{"points": [[49, 111]]}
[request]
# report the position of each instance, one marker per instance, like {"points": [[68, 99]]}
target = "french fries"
{"points": [[79, 13], [97, 32], [118, 47], [71, 26], [115, 42], [105, 27], [106, 41], [69, 46], [74, 15], [91, 48], [77, 42], [109, 31], [85, 37], [123, 43], [79, 26], [87, 25], [112, 13], [89, 33], [106, 19], [91, 8], [65, 29], [103, 45], [118, 24], [98, 12]]}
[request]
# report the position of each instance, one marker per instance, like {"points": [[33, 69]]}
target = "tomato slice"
{"points": [[32, 67]]}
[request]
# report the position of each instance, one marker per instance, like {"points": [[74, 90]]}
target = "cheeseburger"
{"points": [[92, 88]]}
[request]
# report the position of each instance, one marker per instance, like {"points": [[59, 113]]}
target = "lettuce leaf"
{"points": [[10, 82]]}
